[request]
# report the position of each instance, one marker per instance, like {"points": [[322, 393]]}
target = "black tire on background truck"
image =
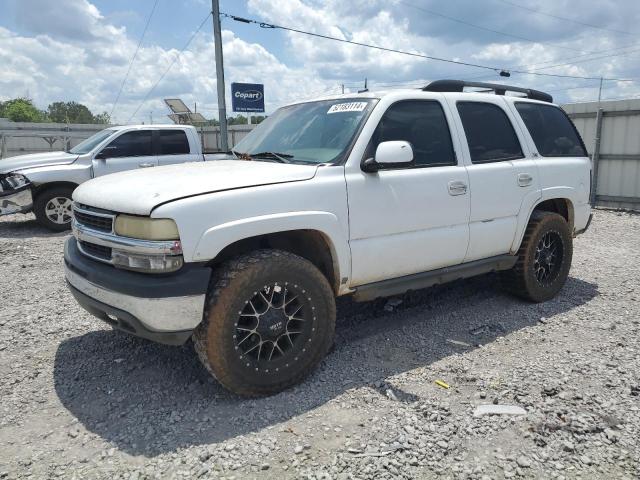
{"points": [[52, 207], [544, 258], [269, 320]]}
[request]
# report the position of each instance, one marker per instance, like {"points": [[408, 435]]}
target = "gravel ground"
{"points": [[79, 400]]}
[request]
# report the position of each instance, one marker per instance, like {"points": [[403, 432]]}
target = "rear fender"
{"points": [[531, 202]]}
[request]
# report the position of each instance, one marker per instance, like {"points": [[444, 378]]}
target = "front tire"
{"points": [[52, 208], [269, 320], [544, 258]]}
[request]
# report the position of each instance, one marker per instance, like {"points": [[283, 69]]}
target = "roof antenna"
{"points": [[365, 87]]}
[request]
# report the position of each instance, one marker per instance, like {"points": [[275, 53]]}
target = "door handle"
{"points": [[146, 165], [524, 179], [457, 188]]}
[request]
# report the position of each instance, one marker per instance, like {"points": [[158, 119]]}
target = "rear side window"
{"points": [[489, 132], [173, 142], [131, 144], [551, 130], [422, 124]]}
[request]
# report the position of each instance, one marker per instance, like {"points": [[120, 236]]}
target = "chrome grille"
{"points": [[98, 252], [104, 224]]}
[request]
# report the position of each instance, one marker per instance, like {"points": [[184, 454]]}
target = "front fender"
{"points": [[73, 173], [215, 239]]}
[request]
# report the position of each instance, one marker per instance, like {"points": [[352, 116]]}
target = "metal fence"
{"points": [[17, 138], [611, 133]]}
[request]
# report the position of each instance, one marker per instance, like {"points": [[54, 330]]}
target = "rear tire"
{"points": [[269, 320], [52, 208], [544, 259]]}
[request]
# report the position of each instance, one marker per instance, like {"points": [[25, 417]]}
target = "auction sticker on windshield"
{"points": [[347, 107]]}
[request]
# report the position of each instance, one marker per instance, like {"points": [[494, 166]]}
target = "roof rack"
{"points": [[459, 85]]}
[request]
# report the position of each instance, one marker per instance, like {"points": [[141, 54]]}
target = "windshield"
{"points": [[313, 132], [90, 143]]}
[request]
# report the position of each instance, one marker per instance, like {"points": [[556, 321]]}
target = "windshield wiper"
{"points": [[279, 157]]}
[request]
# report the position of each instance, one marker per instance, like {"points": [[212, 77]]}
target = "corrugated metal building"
{"points": [[617, 157]]}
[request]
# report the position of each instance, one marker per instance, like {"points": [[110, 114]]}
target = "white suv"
{"points": [[367, 195]]}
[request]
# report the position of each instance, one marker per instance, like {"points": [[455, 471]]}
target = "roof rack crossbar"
{"points": [[459, 85]]}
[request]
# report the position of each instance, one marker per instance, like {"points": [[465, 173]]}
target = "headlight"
{"points": [[13, 181], [146, 228], [146, 263]]}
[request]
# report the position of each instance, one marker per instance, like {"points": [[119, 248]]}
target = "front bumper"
{"points": [[16, 201], [162, 308]]}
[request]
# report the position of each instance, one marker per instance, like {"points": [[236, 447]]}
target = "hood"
{"points": [[21, 162], [139, 191]]}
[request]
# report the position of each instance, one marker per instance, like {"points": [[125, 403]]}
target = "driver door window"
{"points": [[131, 144], [129, 151], [422, 124]]}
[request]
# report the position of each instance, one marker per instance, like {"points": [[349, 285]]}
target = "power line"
{"points": [[169, 67], [412, 54], [480, 27], [569, 58], [564, 19], [134, 57], [588, 60]]}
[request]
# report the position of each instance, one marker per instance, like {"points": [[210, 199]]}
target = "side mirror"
{"points": [[392, 154], [105, 153]]}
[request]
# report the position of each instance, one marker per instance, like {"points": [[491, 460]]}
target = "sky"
{"points": [[81, 50]]}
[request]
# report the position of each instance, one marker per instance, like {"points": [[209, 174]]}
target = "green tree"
{"points": [[103, 118], [239, 120], [69, 112], [20, 110]]}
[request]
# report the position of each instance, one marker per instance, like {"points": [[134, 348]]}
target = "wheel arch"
{"points": [[318, 236], [43, 187], [313, 245], [560, 205]]}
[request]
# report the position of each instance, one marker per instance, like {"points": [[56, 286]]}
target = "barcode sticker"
{"points": [[347, 107]]}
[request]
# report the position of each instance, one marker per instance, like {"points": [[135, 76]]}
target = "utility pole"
{"points": [[342, 88], [151, 118], [222, 108], [600, 90]]}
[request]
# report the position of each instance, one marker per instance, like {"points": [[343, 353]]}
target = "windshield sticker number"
{"points": [[347, 107]]}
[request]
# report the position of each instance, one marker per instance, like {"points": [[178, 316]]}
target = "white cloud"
{"points": [[59, 64], [74, 20]]}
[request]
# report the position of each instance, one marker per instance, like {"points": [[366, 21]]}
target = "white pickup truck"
{"points": [[369, 194], [44, 182]]}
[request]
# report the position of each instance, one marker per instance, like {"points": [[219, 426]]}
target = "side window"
{"points": [[422, 124], [131, 144], [489, 132], [173, 142], [551, 130]]}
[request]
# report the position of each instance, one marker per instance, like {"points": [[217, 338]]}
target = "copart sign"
{"points": [[247, 97]]}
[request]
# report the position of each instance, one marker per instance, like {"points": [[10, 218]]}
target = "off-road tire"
{"points": [[40, 204], [521, 280], [232, 286]]}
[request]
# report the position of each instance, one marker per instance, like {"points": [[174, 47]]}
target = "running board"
{"points": [[396, 286]]}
